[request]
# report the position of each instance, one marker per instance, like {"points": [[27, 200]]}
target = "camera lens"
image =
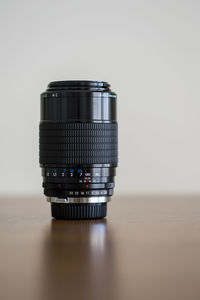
{"points": [[78, 148]]}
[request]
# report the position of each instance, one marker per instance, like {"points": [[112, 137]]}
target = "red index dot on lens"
{"points": [[86, 185]]}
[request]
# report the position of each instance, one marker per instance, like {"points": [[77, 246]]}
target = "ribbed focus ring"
{"points": [[78, 143]]}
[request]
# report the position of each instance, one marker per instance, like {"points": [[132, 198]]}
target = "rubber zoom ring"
{"points": [[78, 143]]}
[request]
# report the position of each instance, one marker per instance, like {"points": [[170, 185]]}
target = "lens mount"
{"points": [[79, 200]]}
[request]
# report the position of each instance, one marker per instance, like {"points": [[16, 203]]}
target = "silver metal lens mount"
{"points": [[66, 200]]}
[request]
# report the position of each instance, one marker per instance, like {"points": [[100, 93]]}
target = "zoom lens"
{"points": [[78, 148]]}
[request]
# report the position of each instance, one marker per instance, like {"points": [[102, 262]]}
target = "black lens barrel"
{"points": [[78, 101], [78, 147]]}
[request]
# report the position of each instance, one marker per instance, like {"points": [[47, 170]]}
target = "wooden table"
{"points": [[147, 248]]}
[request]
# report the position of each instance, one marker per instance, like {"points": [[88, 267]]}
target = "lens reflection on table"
{"points": [[78, 260]]}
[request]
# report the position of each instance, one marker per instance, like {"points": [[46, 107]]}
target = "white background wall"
{"points": [[147, 50]]}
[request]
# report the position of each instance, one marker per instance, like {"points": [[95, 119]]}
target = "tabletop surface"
{"points": [[147, 248]]}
